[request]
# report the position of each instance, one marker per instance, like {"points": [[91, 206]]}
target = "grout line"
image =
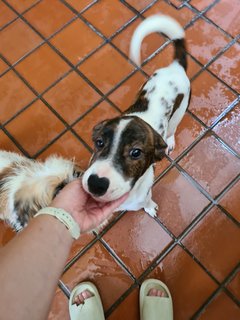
{"points": [[80, 254], [17, 13], [64, 288], [117, 259], [214, 294]]}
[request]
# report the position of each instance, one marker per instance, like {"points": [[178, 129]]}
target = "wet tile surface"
{"points": [[204, 40], [209, 235], [135, 228], [64, 68], [210, 98], [225, 14], [234, 285], [176, 209], [226, 67], [222, 308], [230, 201], [98, 266], [211, 165], [172, 271]]}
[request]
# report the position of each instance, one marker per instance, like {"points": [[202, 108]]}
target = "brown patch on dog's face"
{"points": [[138, 147], [102, 137]]}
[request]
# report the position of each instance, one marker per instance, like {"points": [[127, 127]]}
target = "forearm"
{"points": [[30, 266]]}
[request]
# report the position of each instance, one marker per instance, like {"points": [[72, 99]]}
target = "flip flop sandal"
{"points": [[91, 309], [155, 308]]}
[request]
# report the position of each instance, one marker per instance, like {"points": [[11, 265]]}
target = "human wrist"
{"points": [[64, 217]]}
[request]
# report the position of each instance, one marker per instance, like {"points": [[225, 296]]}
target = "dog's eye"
{"points": [[135, 153], [99, 143]]}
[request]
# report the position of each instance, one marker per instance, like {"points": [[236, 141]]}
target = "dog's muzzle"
{"points": [[97, 186]]}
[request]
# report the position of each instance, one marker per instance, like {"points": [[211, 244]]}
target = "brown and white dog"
{"points": [[127, 146], [27, 185]]}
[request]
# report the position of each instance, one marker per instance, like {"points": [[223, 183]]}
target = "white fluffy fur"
{"points": [[30, 182], [155, 23]]}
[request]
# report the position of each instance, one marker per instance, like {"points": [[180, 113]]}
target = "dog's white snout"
{"points": [[97, 186]]}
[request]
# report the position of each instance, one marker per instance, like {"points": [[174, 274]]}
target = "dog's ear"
{"points": [[160, 147], [98, 127]]}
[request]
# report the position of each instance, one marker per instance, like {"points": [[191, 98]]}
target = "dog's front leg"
{"points": [[150, 206]]}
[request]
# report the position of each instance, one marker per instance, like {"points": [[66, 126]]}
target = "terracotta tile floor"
{"points": [[63, 68]]}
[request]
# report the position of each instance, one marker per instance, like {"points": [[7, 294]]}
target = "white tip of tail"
{"points": [[156, 23]]}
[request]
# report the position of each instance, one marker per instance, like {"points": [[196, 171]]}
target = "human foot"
{"points": [[157, 293], [81, 297], [85, 303]]}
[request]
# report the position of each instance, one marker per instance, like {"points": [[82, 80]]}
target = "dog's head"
{"points": [[125, 147]]}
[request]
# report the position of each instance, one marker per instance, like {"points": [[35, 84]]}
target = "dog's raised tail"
{"points": [[166, 25]]}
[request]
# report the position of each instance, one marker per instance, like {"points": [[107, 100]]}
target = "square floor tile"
{"points": [[108, 16], [42, 67], [211, 165], [228, 128], [124, 96], [200, 4], [59, 307], [189, 285], [106, 68], [128, 309], [183, 16], [99, 267], [204, 40], [22, 5], [6, 233], [76, 41], [234, 285], [210, 97], [227, 66], [35, 127], [7, 144], [187, 131], [226, 15], [160, 166], [149, 45], [101, 112], [176, 210], [210, 234], [41, 16], [165, 57], [68, 146], [139, 4], [80, 244], [231, 201], [14, 95], [71, 97], [80, 5], [221, 308], [6, 14], [147, 238], [16, 40], [3, 66]]}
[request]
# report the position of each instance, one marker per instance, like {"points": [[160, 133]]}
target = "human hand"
{"points": [[86, 211]]}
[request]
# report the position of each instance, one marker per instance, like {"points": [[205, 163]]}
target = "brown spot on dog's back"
{"points": [[140, 105], [177, 103]]}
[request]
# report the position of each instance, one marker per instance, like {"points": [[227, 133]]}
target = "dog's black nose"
{"points": [[97, 186]]}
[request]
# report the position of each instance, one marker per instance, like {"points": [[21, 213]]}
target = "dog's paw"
{"points": [[152, 209], [171, 144]]}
